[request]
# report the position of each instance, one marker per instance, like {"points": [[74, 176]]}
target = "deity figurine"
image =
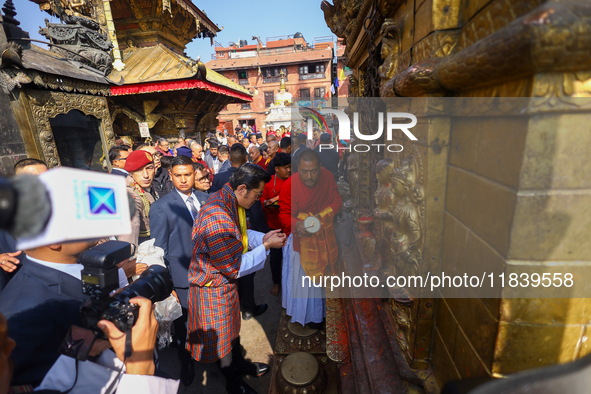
{"points": [[385, 202], [391, 49], [405, 239], [405, 246]]}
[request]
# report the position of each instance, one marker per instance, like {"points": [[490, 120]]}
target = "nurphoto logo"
{"points": [[345, 130]]}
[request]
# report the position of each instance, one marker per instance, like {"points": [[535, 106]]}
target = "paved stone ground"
{"points": [[257, 336]]}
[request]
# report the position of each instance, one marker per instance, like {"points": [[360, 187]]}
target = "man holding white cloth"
{"points": [[224, 251]]}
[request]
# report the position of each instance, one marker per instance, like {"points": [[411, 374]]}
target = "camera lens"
{"points": [[154, 284]]}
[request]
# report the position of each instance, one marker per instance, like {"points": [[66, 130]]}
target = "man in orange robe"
{"points": [[312, 191]]}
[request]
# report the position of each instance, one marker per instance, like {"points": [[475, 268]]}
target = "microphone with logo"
{"points": [[64, 204]]}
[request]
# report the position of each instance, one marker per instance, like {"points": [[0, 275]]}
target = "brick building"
{"points": [[257, 67]]}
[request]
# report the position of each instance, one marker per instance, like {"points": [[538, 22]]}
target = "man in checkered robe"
{"points": [[224, 250]]}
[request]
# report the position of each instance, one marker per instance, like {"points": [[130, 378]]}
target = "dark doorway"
{"points": [[78, 140]]}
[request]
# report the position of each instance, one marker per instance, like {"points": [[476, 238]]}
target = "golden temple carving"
{"points": [[47, 105], [531, 44], [481, 50]]}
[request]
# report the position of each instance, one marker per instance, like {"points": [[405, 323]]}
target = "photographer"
{"points": [[40, 303], [139, 367]]}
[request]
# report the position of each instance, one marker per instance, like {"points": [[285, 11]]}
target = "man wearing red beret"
{"points": [[140, 165]]}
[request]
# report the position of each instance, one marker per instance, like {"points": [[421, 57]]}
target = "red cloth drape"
{"points": [[296, 198], [166, 86]]}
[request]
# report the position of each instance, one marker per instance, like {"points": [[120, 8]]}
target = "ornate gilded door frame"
{"points": [[46, 105]]}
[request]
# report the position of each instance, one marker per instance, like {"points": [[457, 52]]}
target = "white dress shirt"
{"points": [[253, 260], [96, 377], [193, 197], [216, 164]]}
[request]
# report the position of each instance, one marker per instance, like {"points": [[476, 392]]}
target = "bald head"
{"points": [[232, 141], [272, 149], [255, 153], [197, 150]]}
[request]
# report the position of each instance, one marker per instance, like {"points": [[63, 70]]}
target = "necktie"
{"points": [[194, 211]]}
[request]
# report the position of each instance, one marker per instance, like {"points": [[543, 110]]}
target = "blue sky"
{"points": [[241, 19]]}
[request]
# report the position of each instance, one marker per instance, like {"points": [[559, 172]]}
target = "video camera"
{"points": [[100, 278]]}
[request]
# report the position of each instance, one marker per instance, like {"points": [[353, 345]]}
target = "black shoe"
{"points": [[258, 310], [239, 386], [262, 369], [252, 369], [187, 373]]}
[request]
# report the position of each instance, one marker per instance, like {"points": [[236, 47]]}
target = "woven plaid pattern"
{"points": [[214, 310]]}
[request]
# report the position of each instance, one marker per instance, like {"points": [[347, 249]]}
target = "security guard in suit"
{"points": [[171, 222]]}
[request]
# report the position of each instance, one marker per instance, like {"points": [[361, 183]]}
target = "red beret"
{"points": [[137, 159]]}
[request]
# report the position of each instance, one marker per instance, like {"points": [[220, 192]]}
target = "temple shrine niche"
{"points": [[81, 82], [46, 92], [140, 46], [162, 85]]}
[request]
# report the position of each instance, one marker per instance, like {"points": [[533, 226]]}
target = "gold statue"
{"points": [[391, 50], [405, 239], [385, 200], [73, 7]]}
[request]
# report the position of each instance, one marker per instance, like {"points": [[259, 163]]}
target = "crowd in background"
{"points": [[184, 192]]}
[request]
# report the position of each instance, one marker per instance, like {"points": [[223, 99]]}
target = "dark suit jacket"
{"points": [[225, 166], [329, 159], [255, 214], [8, 245], [40, 304], [117, 171], [220, 179], [171, 225]]}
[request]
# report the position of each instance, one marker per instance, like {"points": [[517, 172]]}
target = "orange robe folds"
{"points": [[296, 202]]}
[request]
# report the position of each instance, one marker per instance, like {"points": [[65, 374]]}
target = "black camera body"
{"points": [[100, 278]]}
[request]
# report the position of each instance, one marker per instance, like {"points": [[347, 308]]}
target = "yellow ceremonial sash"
{"points": [[320, 250], [243, 233]]}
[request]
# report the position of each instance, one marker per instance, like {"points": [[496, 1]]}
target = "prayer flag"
{"points": [[332, 89], [336, 82], [342, 75]]}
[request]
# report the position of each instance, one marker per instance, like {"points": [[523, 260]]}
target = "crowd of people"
{"points": [[218, 210]]}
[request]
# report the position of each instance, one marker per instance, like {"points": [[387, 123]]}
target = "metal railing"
{"points": [[304, 77], [271, 79], [242, 81]]}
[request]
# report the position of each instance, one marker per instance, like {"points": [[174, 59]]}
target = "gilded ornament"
{"points": [[47, 105], [528, 45], [391, 50]]}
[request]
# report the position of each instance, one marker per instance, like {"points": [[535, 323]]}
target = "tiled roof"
{"points": [[158, 64], [262, 61], [36, 58]]}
